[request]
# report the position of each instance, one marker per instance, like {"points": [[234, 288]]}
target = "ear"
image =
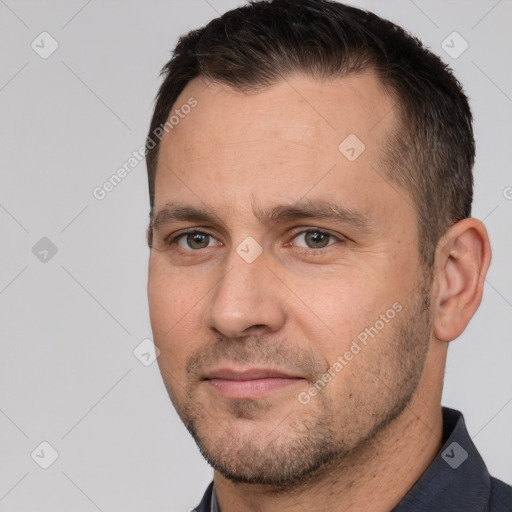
{"points": [[149, 236], [463, 256]]}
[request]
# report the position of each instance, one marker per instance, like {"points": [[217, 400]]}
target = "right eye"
{"points": [[193, 239]]}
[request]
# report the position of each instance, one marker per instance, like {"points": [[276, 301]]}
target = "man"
{"points": [[312, 255]]}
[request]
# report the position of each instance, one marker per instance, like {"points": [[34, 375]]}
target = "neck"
{"points": [[373, 478]]}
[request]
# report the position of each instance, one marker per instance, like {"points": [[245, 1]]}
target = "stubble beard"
{"points": [[301, 448]]}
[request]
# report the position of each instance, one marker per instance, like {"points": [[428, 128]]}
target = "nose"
{"points": [[248, 299]]}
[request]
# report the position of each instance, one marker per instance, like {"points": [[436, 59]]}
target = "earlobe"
{"points": [[462, 260]]}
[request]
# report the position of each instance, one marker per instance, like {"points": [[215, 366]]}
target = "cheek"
{"points": [[174, 303], [171, 332], [346, 311], [334, 309]]}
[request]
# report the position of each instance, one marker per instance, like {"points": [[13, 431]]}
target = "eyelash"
{"points": [[172, 240]]}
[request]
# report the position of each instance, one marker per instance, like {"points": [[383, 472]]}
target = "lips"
{"points": [[253, 383], [251, 374]]}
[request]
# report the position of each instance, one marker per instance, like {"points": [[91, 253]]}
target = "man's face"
{"points": [[286, 293]]}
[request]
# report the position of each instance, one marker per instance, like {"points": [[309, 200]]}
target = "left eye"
{"points": [[315, 239]]}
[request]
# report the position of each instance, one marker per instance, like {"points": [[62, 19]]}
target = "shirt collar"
{"points": [[456, 480], [214, 507]]}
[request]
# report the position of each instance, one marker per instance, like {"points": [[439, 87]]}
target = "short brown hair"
{"points": [[431, 151]]}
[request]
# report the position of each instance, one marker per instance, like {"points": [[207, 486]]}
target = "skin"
{"points": [[363, 440]]}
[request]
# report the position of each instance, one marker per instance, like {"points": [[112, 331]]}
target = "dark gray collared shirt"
{"points": [[457, 480]]}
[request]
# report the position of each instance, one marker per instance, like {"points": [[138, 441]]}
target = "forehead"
{"points": [[301, 136], [298, 108]]}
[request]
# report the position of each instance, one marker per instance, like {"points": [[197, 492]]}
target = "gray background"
{"points": [[70, 324]]}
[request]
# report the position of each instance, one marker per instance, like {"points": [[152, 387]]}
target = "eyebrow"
{"points": [[279, 214]]}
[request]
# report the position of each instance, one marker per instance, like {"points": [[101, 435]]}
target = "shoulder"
{"points": [[500, 499]]}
